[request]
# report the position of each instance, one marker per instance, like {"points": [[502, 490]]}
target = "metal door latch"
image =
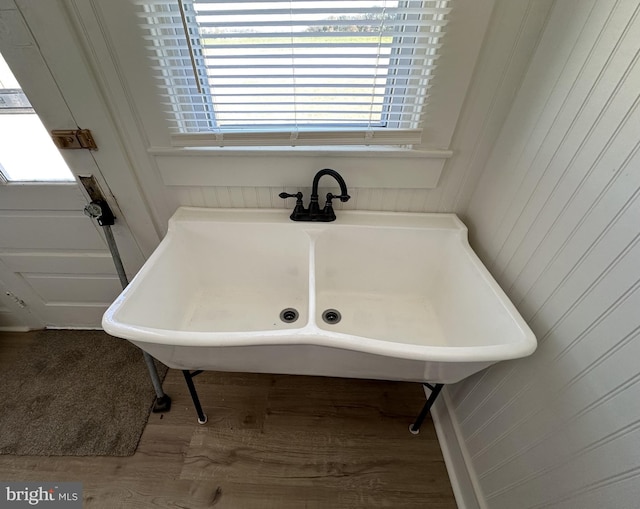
{"points": [[73, 139]]}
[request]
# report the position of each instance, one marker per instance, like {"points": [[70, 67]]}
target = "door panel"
{"points": [[60, 289], [68, 230], [58, 262], [55, 260], [55, 267]]}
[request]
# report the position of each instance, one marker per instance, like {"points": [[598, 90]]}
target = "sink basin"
{"points": [[402, 285], [220, 276], [415, 302], [383, 281]]}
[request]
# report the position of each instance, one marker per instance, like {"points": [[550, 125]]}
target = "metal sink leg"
{"points": [[188, 377], [435, 390]]}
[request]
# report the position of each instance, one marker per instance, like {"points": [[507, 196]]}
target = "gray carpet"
{"points": [[75, 393]]}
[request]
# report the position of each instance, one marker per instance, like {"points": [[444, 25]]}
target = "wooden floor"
{"points": [[272, 441]]}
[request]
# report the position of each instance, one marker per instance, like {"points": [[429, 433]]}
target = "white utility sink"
{"points": [[415, 303]]}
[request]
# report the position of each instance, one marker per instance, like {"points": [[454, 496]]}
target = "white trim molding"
{"points": [[295, 166], [462, 475]]}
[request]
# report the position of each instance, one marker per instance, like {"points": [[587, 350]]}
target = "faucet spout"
{"points": [[344, 195], [327, 214]]}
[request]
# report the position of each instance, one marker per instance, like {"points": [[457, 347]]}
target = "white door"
{"points": [[55, 268]]}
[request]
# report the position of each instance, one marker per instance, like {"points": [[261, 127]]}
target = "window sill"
{"points": [[295, 166], [327, 150]]}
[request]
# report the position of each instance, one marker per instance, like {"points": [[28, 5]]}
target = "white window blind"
{"points": [[297, 72]]}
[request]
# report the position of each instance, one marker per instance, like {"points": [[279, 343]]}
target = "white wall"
{"points": [[556, 218]]}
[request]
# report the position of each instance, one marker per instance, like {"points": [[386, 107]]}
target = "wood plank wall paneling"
{"points": [[509, 45], [400, 200], [556, 218]]}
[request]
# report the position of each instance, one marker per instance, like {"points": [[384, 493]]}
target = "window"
{"points": [[296, 72], [26, 150]]}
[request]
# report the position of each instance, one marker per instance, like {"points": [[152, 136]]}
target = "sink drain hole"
{"points": [[289, 315], [331, 316]]}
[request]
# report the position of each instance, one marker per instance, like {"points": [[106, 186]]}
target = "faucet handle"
{"points": [[299, 210], [284, 195], [342, 197]]}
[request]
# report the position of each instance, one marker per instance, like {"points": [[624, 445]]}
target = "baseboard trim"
{"points": [[16, 328], [75, 327], [461, 474]]}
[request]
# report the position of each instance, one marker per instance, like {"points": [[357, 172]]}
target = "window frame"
{"points": [[193, 68], [34, 136]]}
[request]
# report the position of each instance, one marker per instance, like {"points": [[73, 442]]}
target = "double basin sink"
{"points": [[379, 295]]}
